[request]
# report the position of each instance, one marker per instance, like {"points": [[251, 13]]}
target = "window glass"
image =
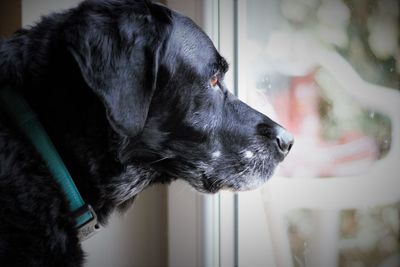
{"points": [[329, 72]]}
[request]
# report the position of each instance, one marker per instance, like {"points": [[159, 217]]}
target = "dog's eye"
{"points": [[214, 81]]}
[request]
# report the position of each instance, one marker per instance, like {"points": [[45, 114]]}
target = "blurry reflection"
{"points": [[326, 70]]}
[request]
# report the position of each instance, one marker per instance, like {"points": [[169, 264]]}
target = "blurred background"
{"points": [[328, 71]]}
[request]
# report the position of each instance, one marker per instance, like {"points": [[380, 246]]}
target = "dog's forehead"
{"points": [[195, 46]]}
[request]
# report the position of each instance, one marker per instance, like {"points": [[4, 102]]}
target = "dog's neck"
{"points": [[76, 122]]}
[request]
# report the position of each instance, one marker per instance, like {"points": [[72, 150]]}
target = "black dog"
{"points": [[130, 94]]}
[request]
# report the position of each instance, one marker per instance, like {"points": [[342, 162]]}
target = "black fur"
{"points": [[123, 89]]}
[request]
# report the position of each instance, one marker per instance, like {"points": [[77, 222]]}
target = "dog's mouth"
{"points": [[210, 171], [248, 182], [238, 175]]}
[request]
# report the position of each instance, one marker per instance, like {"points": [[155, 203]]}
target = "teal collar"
{"points": [[21, 114]]}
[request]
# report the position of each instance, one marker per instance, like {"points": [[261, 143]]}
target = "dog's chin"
{"points": [[247, 182], [231, 175]]}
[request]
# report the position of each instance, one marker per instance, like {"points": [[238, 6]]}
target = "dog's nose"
{"points": [[284, 140]]}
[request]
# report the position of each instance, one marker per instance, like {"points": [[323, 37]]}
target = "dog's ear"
{"points": [[119, 62]]}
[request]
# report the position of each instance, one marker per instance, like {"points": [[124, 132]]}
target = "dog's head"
{"points": [[162, 83]]}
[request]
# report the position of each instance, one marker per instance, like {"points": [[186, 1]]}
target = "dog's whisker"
{"points": [[159, 160]]}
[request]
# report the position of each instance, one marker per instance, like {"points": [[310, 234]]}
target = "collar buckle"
{"points": [[89, 226]]}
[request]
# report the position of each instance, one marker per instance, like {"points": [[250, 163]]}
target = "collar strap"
{"points": [[22, 115]]}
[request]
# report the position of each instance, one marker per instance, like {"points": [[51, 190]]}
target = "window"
{"points": [[329, 72]]}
